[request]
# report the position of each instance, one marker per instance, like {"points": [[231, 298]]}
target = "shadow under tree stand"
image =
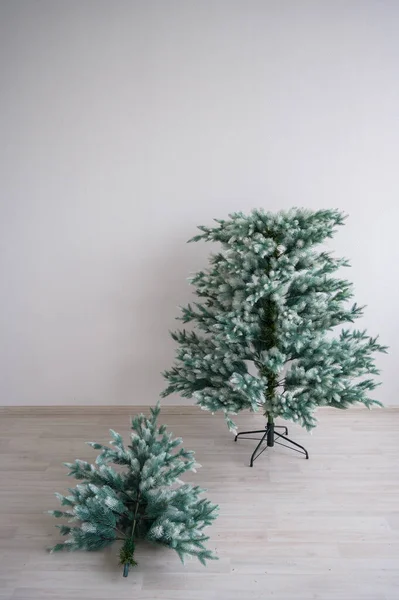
{"points": [[268, 440]]}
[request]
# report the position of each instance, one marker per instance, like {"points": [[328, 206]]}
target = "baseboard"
{"points": [[183, 408]]}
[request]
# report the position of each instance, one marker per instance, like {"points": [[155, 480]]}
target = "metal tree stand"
{"points": [[269, 436]]}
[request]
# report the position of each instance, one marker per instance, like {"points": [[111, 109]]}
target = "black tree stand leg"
{"points": [[282, 427], [269, 435], [302, 449], [261, 431], [249, 432], [255, 454]]}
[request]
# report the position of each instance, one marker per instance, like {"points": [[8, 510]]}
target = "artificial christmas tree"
{"points": [[271, 298], [139, 501]]}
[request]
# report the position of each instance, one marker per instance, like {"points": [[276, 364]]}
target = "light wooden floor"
{"points": [[326, 528]]}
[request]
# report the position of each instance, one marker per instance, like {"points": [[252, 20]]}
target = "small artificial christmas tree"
{"points": [[143, 500], [271, 298]]}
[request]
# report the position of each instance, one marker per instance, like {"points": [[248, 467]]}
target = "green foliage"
{"points": [[126, 554], [271, 298], [144, 499]]}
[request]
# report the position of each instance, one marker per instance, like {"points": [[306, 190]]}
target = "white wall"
{"points": [[125, 124]]}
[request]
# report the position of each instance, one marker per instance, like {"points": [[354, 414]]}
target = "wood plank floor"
{"points": [[325, 528]]}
